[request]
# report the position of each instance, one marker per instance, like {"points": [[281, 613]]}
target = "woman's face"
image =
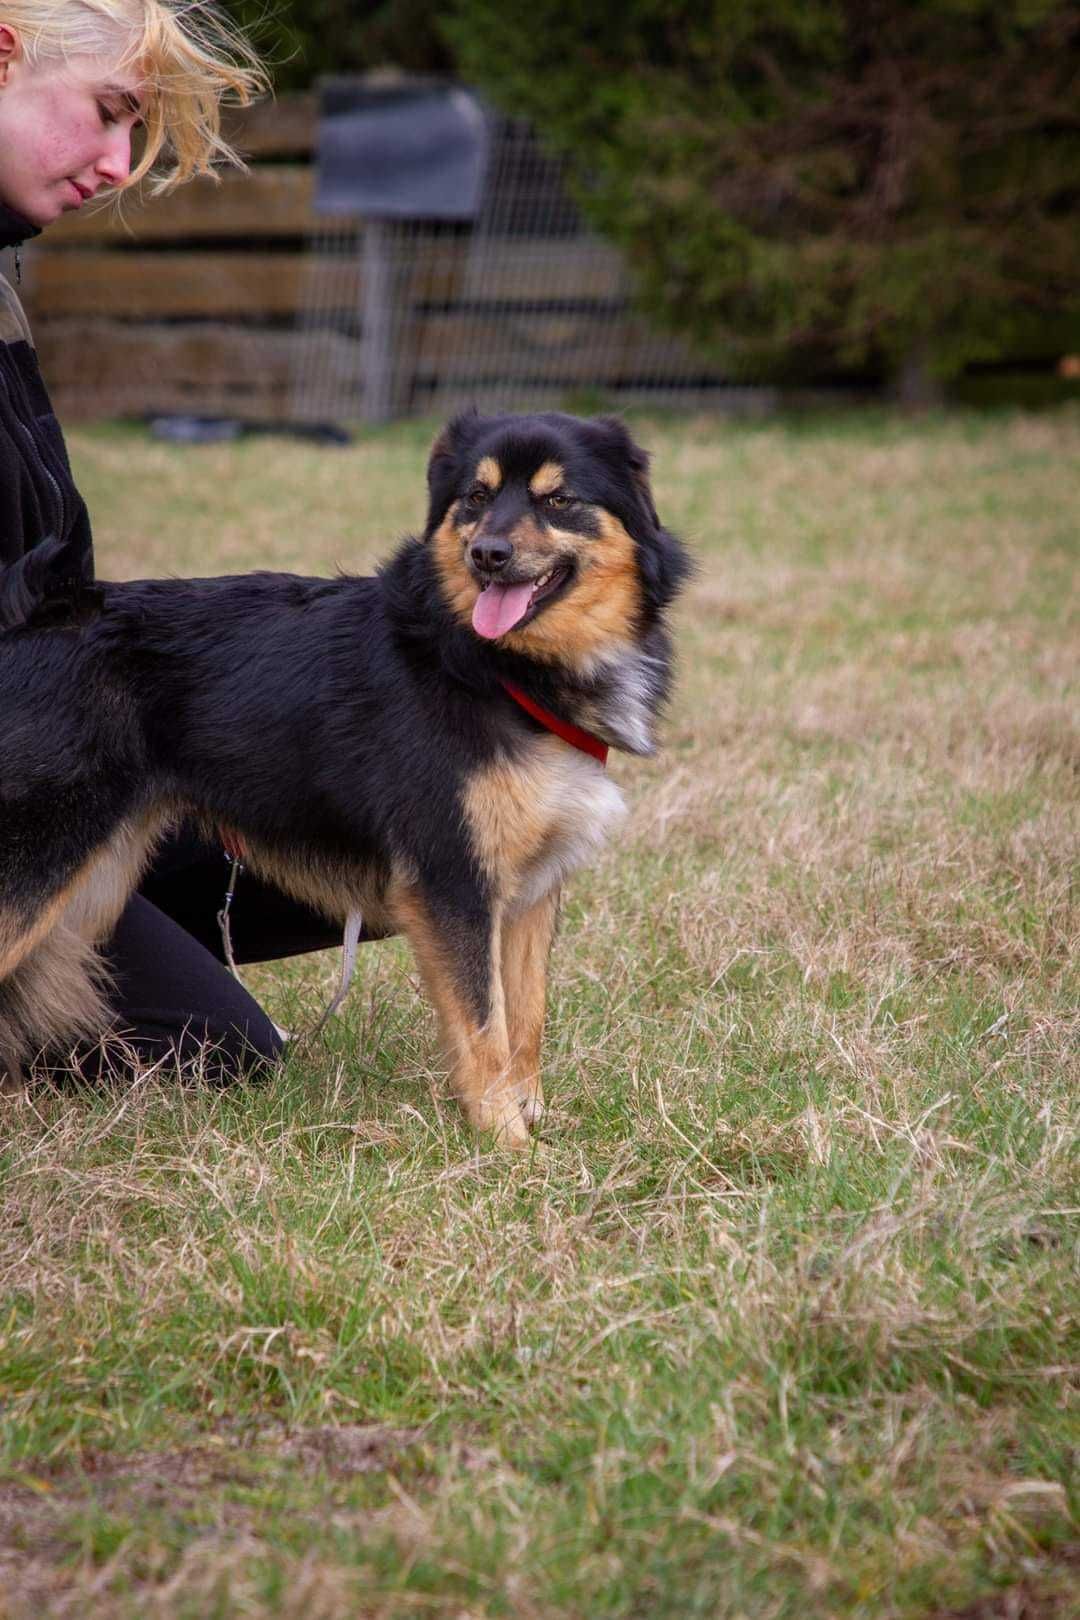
{"points": [[65, 131]]}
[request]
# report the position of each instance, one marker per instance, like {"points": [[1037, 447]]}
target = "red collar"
{"points": [[562, 728]]}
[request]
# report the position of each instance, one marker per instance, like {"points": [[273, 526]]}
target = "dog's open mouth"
{"points": [[500, 608]]}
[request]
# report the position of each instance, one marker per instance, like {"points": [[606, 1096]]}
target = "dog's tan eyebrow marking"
{"points": [[547, 479], [489, 472]]}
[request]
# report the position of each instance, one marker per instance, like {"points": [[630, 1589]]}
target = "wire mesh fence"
{"points": [[524, 308]]}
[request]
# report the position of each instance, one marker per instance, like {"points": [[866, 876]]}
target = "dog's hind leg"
{"points": [[526, 950], [56, 995], [84, 886], [22, 929], [51, 980], [50, 983], [459, 961]]}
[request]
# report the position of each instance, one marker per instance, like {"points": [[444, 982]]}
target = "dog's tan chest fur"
{"points": [[535, 822]]}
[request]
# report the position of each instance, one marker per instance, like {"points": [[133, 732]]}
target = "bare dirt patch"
{"points": [[118, 1481], [47, 1551], [352, 1448]]}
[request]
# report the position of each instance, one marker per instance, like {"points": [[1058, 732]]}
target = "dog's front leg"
{"points": [[526, 949], [459, 956]]}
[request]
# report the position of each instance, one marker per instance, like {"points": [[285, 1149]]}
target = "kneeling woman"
{"points": [[79, 79]]}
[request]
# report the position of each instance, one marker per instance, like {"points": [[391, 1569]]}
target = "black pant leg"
{"points": [[173, 1001]]}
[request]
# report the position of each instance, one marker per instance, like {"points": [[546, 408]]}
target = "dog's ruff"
{"points": [[355, 733]]}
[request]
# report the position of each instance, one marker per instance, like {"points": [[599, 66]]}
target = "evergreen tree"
{"points": [[303, 39], [871, 182]]}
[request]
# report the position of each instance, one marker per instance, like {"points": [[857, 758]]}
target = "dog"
{"points": [[425, 746]]}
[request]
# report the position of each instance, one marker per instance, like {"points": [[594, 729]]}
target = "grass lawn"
{"points": [[784, 1320]]}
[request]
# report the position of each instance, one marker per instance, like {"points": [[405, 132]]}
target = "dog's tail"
{"points": [[48, 586]]}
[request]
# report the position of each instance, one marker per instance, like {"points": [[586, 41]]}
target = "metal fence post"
{"points": [[378, 282]]}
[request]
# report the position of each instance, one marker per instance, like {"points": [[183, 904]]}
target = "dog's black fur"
{"points": [[353, 732]]}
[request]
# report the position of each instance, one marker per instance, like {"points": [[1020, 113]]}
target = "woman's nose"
{"points": [[114, 164]]}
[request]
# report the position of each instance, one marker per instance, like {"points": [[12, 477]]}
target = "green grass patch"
{"points": [[782, 1319]]}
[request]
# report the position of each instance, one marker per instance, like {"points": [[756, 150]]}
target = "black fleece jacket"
{"points": [[38, 497]]}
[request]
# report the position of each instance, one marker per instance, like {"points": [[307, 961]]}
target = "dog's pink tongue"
{"points": [[498, 609]]}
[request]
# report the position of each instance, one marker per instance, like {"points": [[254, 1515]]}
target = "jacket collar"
{"points": [[14, 228]]}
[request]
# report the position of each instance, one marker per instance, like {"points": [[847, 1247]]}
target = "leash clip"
{"points": [[235, 869]]}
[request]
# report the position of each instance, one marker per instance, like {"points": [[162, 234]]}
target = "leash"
{"points": [[354, 922], [570, 733], [233, 846], [235, 868]]}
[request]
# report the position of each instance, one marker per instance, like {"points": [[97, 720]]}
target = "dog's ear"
{"points": [[665, 566], [664, 562], [48, 586], [635, 459], [444, 463]]}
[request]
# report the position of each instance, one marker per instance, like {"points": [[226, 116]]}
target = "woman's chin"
{"points": [[48, 216], [39, 210]]}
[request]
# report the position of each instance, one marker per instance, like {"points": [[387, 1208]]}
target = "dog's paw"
{"points": [[532, 1112], [502, 1119], [512, 1132], [510, 1114]]}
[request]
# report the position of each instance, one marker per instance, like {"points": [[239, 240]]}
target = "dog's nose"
{"points": [[491, 554]]}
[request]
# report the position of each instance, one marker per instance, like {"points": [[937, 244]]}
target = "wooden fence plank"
{"points": [[165, 286], [581, 348], [537, 270], [273, 201], [284, 127], [204, 368]]}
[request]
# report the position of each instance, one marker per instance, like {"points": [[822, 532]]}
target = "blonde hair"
{"points": [[189, 59]]}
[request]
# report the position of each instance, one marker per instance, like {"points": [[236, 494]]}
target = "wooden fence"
{"points": [[189, 303]]}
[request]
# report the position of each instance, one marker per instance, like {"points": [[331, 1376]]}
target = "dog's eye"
{"points": [[479, 495], [558, 500]]}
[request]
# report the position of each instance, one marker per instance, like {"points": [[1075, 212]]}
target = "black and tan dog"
{"points": [[425, 746]]}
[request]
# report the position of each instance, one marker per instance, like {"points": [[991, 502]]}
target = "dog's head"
{"points": [[545, 537]]}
